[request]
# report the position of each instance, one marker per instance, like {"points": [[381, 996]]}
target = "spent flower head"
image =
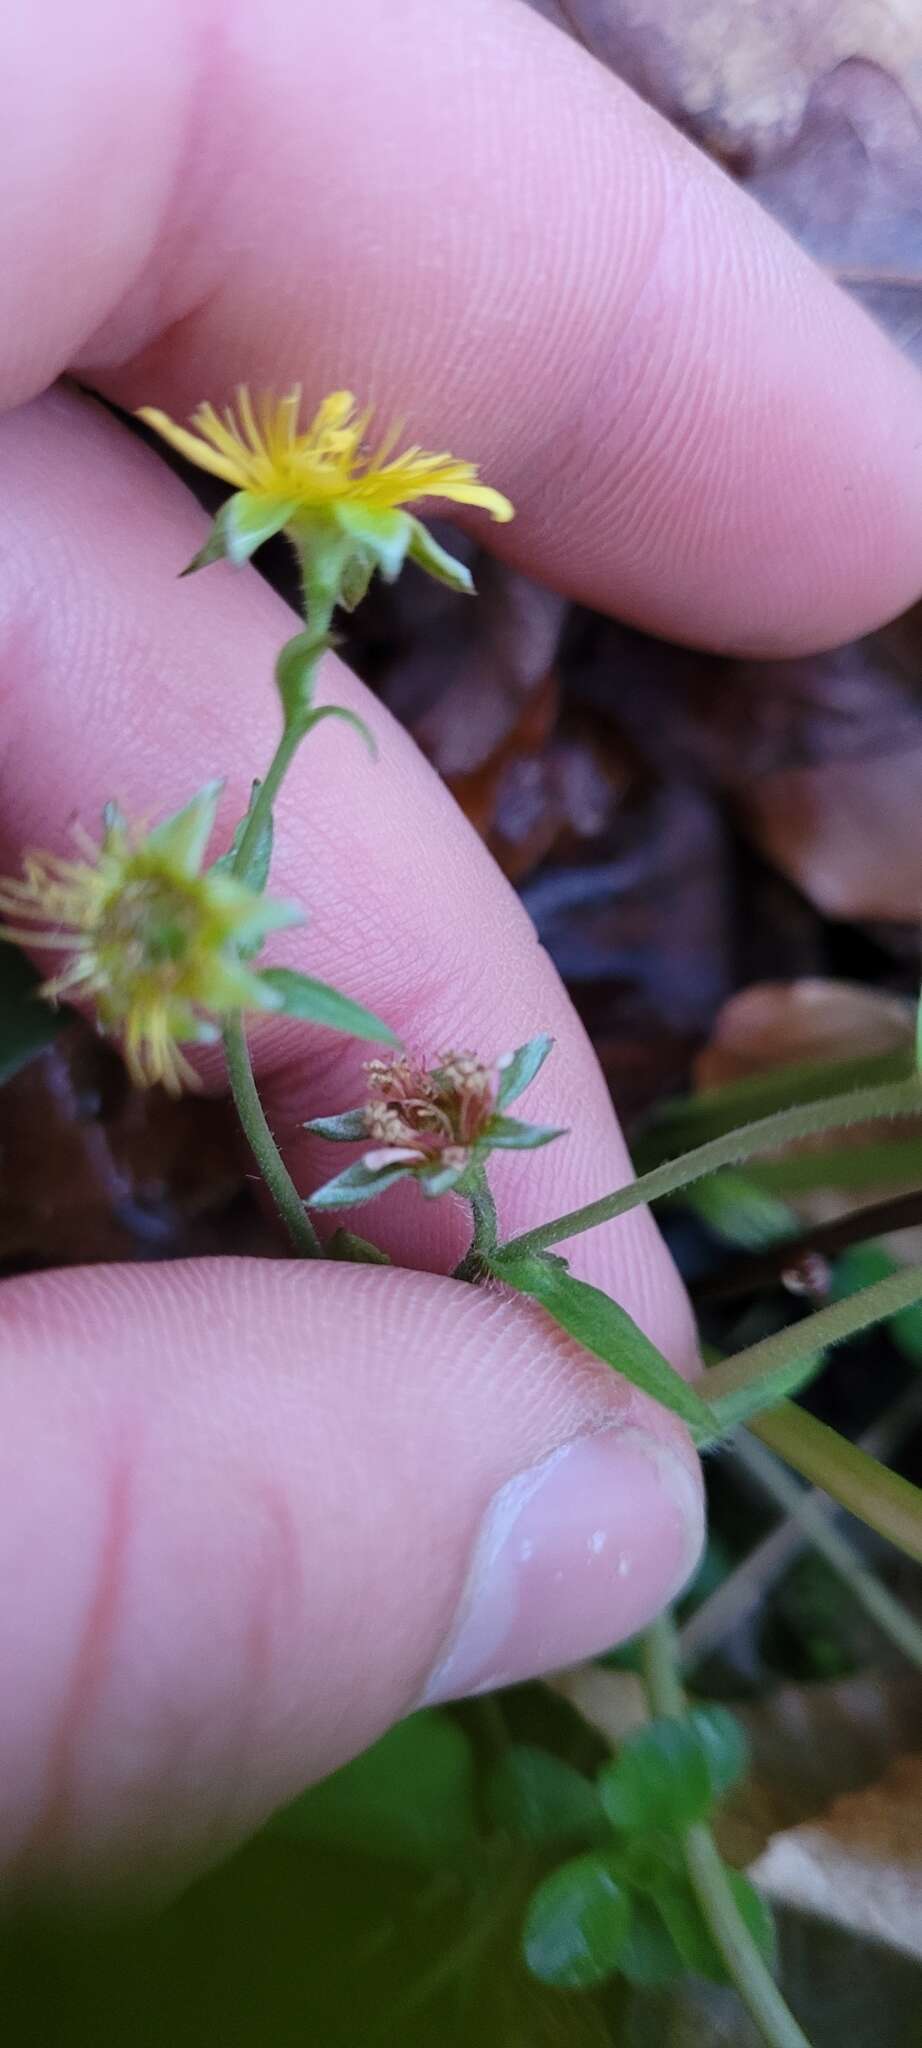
{"points": [[340, 501], [436, 1125], [154, 940]]}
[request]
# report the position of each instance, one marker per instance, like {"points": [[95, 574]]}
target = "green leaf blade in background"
{"points": [[27, 1023], [577, 1923]]}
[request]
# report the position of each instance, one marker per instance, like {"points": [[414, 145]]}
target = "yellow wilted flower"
{"points": [[342, 505], [155, 941]]}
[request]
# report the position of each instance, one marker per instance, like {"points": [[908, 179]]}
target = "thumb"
{"points": [[252, 1512]]}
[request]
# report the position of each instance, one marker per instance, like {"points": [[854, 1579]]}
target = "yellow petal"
{"points": [[191, 446]]}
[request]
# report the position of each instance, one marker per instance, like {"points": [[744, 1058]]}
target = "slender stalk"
{"points": [[892, 1618], [262, 1144], [773, 1356], [879, 1497], [486, 1228], [708, 1878], [749, 1582], [808, 1119]]}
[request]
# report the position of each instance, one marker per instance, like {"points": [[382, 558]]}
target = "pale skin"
{"points": [[239, 1500]]}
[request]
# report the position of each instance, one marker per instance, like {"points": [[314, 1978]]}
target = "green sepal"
{"points": [[518, 1069], [358, 1183], [345, 1128], [506, 1133], [436, 561], [440, 1180], [352, 1250], [605, 1329], [317, 1003], [382, 537], [183, 837], [241, 526]]}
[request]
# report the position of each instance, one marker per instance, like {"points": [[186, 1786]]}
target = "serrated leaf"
{"points": [[27, 1023], [518, 1069], [577, 1923], [506, 1133], [537, 1798], [357, 1183], [605, 1329], [410, 1797], [694, 1942], [347, 1127], [318, 1003]]}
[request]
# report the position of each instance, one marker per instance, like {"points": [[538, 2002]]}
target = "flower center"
{"points": [[148, 930]]}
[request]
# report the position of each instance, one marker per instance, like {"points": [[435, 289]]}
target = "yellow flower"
{"points": [[341, 504], [154, 941]]}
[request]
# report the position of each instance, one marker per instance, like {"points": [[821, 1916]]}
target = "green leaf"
{"points": [[659, 1779], [692, 1937], [357, 1183], [605, 1329], [577, 1923], [27, 1023], [506, 1133], [296, 672], [259, 862], [318, 1003], [410, 1797], [437, 562], [348, 1126], [649, 1957], [348, 718], [518, 1069], [355, 1251], [537, 1798], [671, 1772]]}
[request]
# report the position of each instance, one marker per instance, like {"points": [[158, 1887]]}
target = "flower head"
{"points": [[340, 502], [436, 1124], [155, 941]]}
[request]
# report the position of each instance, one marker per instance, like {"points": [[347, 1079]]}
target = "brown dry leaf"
{"points": [[116, 1174], [783, 1023], [861, 1865], [816, 104]]}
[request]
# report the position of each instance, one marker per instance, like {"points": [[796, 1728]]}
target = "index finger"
{"points": [[460, 214]]}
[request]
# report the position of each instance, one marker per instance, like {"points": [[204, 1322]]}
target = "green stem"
{"points": [[879, 1497], [486, 1228], [809, 1119], [262, 1144], [892, 1618], [268, 791], [708, 1878], [773, 1356]]}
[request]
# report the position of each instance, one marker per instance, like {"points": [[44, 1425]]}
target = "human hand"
{"points": [[251, 1512]]}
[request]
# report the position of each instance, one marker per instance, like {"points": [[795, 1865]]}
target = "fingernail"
{"points": [[573, 1556]]}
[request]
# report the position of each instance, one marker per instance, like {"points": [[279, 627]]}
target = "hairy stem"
{"points": [[808, 1119], [708, 1878], [773, 1356], [879, 1497], [262, 1144], [892, 1618], [261, 813]]}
